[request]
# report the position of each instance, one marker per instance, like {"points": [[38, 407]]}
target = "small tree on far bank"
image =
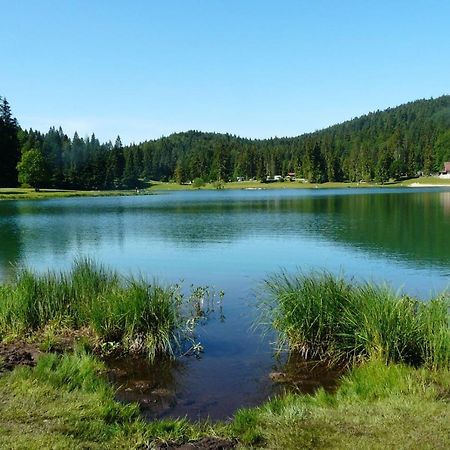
{"points": [[31, 169], [198, 183]]}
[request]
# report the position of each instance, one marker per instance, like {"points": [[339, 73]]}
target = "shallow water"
{"points": [[172, 388], [232, 240]]}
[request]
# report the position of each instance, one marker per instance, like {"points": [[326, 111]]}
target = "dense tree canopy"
{"points": [[9, 145], [394, 143]]}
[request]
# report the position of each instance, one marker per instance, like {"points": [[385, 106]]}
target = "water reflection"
{"points": [[11, 243], [445, 202], [162, 389], [408, 225]]}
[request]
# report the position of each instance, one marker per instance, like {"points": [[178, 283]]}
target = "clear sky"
{"points": [[255, 68]]}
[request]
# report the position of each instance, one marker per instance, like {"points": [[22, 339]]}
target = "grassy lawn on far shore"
{"points": [[20, 193], [167, 186], [256, 185]]}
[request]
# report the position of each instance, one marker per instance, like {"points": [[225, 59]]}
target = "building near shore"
{"points": [[446, 172]]}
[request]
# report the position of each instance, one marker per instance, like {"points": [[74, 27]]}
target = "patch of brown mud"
{"points": [[207, 443], [26, 352], [152, 386], [18, 354]]}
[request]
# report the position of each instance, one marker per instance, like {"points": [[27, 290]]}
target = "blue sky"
{"points": [[143, 69]]}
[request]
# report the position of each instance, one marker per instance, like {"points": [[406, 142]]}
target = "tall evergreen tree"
{"points": [[315, 164], [9, 145]]}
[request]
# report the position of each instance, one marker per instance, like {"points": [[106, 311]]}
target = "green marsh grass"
{"points": [[65, 402], [375, 406], [326, 317], [132, 314]]}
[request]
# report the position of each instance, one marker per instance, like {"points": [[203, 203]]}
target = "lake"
{"points": [[231, 241]]}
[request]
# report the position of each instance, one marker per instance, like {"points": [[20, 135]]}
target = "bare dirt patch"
{"points": [[18, 354]]}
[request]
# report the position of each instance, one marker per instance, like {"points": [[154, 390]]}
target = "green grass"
{"points": [[426, 180], [130, 314], [31, 194], [325, 317], [396, 396], [376, 406], [164, 186], [172, 186], [65, 403]]}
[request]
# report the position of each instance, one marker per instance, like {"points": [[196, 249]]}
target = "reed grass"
{"points": [[329, 318], [132, 313]]}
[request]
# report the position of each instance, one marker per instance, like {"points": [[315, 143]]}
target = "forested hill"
{"points": [[397, 142]]}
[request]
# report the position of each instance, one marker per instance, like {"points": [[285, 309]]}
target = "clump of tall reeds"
{"points": [[132, 314], [329, 318]]}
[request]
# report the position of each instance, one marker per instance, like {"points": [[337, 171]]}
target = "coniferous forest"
{"points": [[398, 142]]}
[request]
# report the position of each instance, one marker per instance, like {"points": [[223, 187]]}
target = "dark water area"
{"points": [[231, 241], [165, 388]]}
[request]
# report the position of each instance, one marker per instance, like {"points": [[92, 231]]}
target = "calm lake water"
{"points": [[232, 240]]}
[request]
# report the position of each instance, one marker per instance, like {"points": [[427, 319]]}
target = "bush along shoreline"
{"points": [[395, 394], [328, 318], [110, 312]]}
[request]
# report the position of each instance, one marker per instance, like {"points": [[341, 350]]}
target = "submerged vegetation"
{"points": [[327, 317], [131, 315]]}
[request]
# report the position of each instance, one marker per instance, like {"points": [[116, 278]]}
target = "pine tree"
{"points": [[9, 145], [315, 166]]}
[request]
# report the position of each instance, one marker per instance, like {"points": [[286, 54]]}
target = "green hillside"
{"points": [[398, 142]]}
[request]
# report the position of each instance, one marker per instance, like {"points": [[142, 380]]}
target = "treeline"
{"points": [[399, 142]]}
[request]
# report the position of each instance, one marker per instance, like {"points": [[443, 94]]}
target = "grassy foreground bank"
{"points": [[64, 403], [396, 394]]}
